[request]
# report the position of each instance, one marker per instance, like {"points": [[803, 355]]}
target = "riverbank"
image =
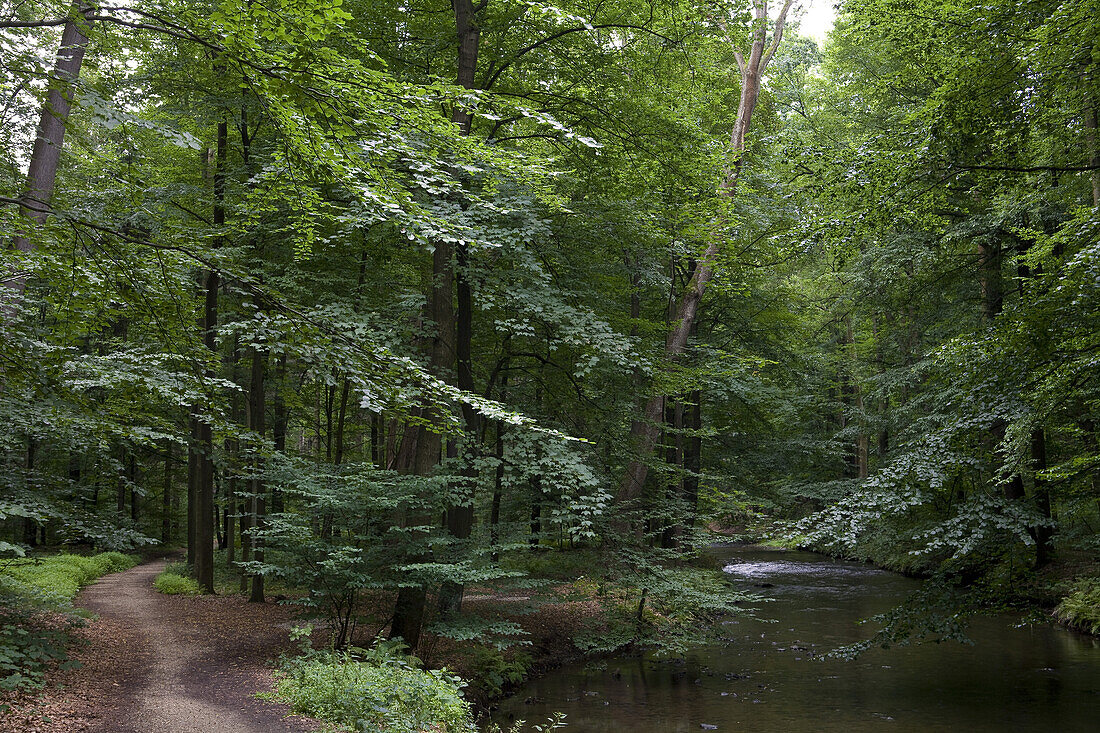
{"points": [[1066, 591], [563, 602], [775, 672]]}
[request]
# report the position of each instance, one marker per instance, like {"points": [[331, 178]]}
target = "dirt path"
{"points": [[168, 664]]}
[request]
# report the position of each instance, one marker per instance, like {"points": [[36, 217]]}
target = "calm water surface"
{"points": [[772, 676]]}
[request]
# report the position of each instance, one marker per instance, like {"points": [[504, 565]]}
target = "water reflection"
{"points": [[771, 674]]}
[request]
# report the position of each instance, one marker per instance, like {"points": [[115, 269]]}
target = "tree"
{"points": [[644, 430]]}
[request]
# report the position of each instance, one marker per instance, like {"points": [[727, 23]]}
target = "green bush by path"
{"points": [[171, 583], [374, 690], [53, 581], [31, 641]]}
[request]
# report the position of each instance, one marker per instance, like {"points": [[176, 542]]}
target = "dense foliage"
{"points": [[378, 297]]}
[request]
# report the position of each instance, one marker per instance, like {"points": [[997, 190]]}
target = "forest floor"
{"points": [[171, 664]]}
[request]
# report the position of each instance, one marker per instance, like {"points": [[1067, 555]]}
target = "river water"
{"points": [[772, 674]]}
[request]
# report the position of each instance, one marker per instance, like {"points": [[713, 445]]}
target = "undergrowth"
{"points": [[53, 581], [377, 689], [36, 613], [1081, 608], [175, 582]]}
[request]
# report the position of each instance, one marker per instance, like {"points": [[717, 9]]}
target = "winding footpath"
{"points": [[171, 664]]}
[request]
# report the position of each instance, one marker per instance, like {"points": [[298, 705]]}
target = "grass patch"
{"points": [[172, 582], [376, 689], [53, 581], [36, 612]]}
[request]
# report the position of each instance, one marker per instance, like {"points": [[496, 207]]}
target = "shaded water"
{"points": [[774, 677]]}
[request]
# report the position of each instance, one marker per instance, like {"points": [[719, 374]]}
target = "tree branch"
{"points": [[50, 23], [555, 36], [1030, 169], [780, 22]]}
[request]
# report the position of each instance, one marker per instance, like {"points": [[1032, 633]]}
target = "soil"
{"points": [[171, 664]]}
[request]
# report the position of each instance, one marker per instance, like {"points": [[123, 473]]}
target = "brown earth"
{"points": [[169, 664]]}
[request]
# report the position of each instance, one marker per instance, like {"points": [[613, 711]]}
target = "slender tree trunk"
{"points": [[279, 428], [131, 480], [644, 431], [121, 486], [460, 516], [166, 496], [245, 513], [883, 446], [1091, 125], [989, 279], [377, 440], [204, 515], [1044, 534], [861, 446], [193, 467], [34, 203], [220, 518], [421, 446], [498, 475], [174, 529], [30, 525], [693, 455], [674, 457], [256, 419], [535, 538], [232, 449]]}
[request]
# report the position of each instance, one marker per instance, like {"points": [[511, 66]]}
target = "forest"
{"points": [[456, 335]]}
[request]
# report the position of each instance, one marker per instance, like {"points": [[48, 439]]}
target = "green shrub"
{"points": [[492, 671], [172, 584], [372, 690], [26, 650], [28, 644], [53, 581], [1081, 608]]}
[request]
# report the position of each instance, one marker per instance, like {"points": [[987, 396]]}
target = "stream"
{"points": [[772, 673]]}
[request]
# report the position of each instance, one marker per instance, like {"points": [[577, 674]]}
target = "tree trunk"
{"points": [[120, 487], [420, 446], [131, 480], [498, 475], [1091, 124], [245, 512], [693, 455], [674, 457], [1043, 535], [204, 495], [232, 449], [34, 203], [279, 428], [30, 525], [256, 420], [644, 431], [193, 467], [166, 496], [460, 516]]}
